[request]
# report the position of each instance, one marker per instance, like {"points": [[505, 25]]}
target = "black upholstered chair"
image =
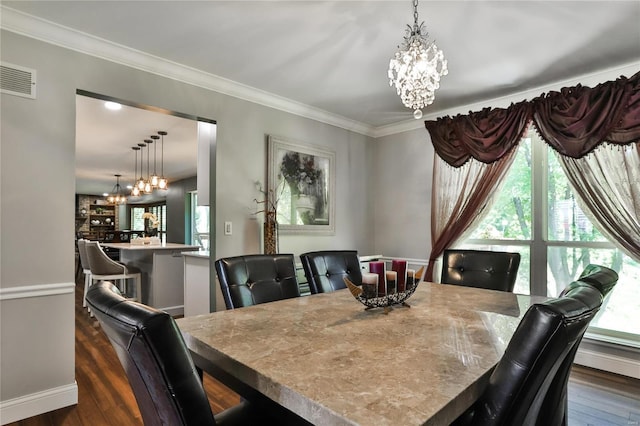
{"points": [[529, 384], [492, 270], [325, 270], [156, 360], [603, 279], [257, 278]]}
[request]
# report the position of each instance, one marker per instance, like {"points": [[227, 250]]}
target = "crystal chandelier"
{"points": [[417, 67]]}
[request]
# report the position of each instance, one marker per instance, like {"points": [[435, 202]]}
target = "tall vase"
{"points": [[270, 236]]}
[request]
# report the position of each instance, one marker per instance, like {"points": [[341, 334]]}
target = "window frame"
{"points": [[540, 243]]}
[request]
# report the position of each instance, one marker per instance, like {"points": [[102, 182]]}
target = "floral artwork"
{"points": [[301, 181]]}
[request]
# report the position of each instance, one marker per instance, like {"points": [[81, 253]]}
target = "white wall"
{"points": [[400, 192], [37, 220]]}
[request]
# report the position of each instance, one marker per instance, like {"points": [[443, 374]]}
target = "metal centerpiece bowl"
{"points": [[388, 300]]}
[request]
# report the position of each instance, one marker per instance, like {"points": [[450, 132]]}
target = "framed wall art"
{"points": [[301, 180]]}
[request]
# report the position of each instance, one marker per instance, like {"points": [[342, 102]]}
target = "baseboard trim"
{"points": [[37, 403], [23, 292], [608, 362]]}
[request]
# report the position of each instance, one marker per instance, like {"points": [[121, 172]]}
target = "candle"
{"points": [[378, 268], [392, 278], [410, 277], [369, 285], [400, 266]]}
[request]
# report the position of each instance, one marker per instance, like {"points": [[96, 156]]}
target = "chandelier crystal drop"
{"points": [[417, 67]]}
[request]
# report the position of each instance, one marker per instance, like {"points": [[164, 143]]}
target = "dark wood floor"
{"points": [[104, 394], [105, 398]]}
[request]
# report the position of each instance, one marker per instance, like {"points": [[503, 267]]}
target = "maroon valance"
{"points": [[573, 121], [486, 135]]}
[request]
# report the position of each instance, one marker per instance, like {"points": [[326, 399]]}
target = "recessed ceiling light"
{"points": [[114, 106], [105, 194]]}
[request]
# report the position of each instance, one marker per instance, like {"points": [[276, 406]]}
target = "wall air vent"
{"points": [[17, 80]]}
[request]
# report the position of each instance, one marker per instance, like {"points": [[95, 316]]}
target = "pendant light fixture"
{"points": [[148, 189], [141, 183], [416, 68], [135, 192], [154, 177], [162, 182], [116, 196]]}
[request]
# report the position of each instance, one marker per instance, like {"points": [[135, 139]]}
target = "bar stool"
{"points": [[104, 268], [86, 269]]}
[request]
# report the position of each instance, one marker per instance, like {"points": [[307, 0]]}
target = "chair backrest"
{"points": [[555, 405], [492, 270], [100, 263], [82, 251], [325, 270], [155, 358], [257, 278], [529, 382]]}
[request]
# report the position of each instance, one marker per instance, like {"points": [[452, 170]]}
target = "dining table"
{"points": [[332, 362]]}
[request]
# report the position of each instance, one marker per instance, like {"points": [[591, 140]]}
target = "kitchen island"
{"points": [[162, 270]]}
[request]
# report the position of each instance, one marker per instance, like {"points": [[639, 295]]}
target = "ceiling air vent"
{"points": [[17, 80]]}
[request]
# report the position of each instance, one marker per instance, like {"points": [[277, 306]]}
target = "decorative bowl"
{"points": [[386, 301]]}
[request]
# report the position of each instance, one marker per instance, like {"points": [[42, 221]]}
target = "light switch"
{"points": [[228, 228]]}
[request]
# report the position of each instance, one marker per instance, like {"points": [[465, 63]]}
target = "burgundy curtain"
{"points": [[486, 135], [577, 119], [574, 121]]}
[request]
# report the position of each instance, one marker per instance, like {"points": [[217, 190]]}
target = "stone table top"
{"points": [[333, 363]]}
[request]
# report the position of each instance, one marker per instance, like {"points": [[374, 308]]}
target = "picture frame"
{"points": [[301, 185]]}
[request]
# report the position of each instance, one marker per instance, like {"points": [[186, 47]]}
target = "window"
{"points": [[535, 213], [199, 223], [138, 222]]}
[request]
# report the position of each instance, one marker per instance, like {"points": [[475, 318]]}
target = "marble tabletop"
{"points": [[333, 363]]}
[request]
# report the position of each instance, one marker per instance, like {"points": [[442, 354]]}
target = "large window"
{"points": [[138, 223], [536, 214]]}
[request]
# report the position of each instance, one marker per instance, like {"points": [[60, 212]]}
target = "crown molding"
{"points": [[59, 35], [588, 79]]}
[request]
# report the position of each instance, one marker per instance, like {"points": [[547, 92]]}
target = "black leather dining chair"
{"points": [[556, 402], [160, 370], [492, 270], [257, 278], [529, 384], [325, 270]]}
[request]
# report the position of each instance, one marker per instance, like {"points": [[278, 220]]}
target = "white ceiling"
{"points": [[104, 139], [333, 55]]}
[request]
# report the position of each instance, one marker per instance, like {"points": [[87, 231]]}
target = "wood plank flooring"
{"points": [[105, 398]]}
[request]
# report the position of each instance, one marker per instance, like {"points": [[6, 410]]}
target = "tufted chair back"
{"points": [[325, 270], [155, 358], [555, 405], [528, 385], [258, 278], [492, 270]]}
